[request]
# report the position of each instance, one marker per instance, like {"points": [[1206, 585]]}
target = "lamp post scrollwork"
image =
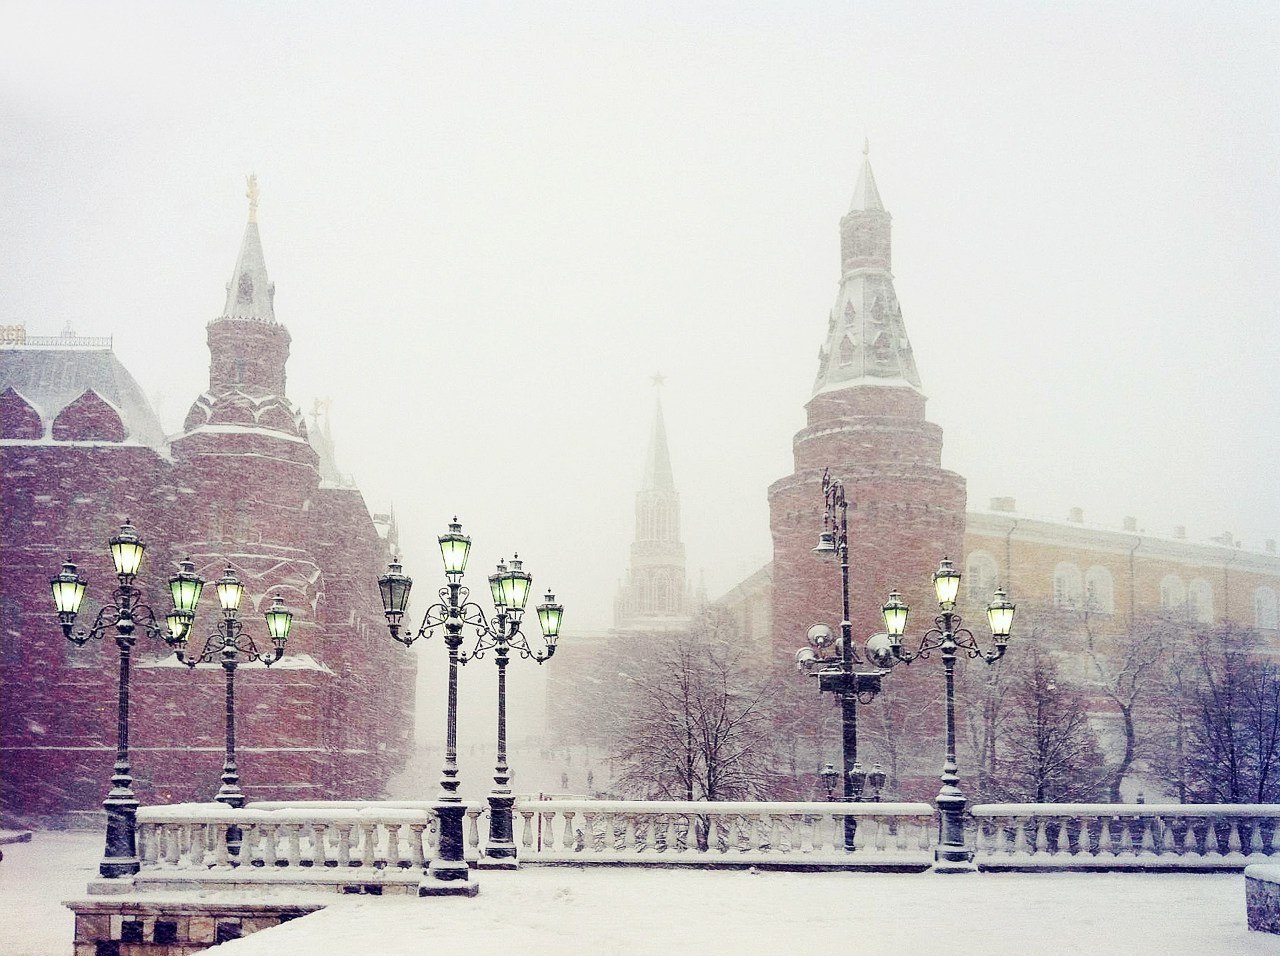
{"points": [[455, 612], [835, 661], [126, 613], [226, 646], [949, 638]]}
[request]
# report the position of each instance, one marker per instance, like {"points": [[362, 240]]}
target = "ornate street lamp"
{"points": [[125, 614], [509, 587], [448, 871], [830, 777], [834, 661], [225, 646], [947, 636]]}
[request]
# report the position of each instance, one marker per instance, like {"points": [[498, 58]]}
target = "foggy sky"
{"points": [[488, 226]]}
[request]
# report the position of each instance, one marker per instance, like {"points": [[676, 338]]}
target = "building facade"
{"points": [[245, 483]]}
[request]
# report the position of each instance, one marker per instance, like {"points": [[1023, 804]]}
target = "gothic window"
{"points": [[662, 594], [1099, 590], [980, 576], [846, 351], [238, 371], [1173, 593], [1266, 614], [1200, 601], [1068, 585]]}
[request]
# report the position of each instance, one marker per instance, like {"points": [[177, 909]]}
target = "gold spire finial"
{"points": [[866, 146], [657, 380], [251, 193]]}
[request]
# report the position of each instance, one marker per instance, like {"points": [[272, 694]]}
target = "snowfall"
{"points": [[614, 911]]}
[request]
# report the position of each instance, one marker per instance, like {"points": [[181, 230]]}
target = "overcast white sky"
{"points": [[488, 225]]}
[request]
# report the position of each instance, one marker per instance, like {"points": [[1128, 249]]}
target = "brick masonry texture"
{"points": [[252, 497]]}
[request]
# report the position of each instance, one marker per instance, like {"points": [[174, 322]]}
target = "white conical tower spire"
{"points": [[866, 338], [250, 293]]}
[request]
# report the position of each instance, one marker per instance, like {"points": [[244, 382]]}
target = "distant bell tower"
{"points": [[866, 424], [654, 596]]}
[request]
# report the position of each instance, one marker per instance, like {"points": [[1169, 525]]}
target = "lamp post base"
{"points": [[431, 886]]}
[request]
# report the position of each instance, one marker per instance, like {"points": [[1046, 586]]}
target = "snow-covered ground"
{"points": [[613, 911]]}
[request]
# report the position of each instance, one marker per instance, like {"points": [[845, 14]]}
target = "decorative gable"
{"points": [[89, 418], [17, 418]]}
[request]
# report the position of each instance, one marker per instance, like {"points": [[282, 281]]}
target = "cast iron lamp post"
{"points": [[448, 872], [834, 661], [125, 614], [947, 636], [226, 645], [510, 590], [830, 777]]}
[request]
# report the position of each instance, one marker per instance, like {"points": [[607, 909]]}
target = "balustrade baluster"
{"points": [[369, 833], [526, 828], [568, 839], [881, 832], [775, 833], [393, 846], [221, 855], [293, 844], [417, 837], [268, 831], [317, 845], [473, 827], [344, 844], [1235, 839], [629, 839]]}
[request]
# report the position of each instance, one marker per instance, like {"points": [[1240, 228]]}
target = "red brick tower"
{"points": [[866, 424]]}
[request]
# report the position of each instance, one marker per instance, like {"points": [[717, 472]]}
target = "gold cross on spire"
{"points": [[251, 193], [657, 380]]}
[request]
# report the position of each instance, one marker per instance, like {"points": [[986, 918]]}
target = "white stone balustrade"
{"points": [[889, 835], [1111, 836]]}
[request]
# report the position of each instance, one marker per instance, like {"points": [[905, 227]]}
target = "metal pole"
{"points": [[501, 837], [449, 864], [230, 792], [849, 697], [951, 801], [121, 855]]}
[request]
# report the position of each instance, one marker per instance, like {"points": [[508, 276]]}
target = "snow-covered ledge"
{"points": [[1262, 897], [1115, 836]]}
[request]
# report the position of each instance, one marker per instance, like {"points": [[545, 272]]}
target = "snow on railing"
{"points": [[343, 841], [712, 833], [1112, 836]]}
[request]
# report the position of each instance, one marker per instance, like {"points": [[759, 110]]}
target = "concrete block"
{"points": [[201, 929]]}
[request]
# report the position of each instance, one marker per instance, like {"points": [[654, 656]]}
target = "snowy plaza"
{"points": [[614, 910]]}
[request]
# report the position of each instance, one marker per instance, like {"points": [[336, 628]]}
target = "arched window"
{"points": [[846, 351], [1200, 601], [1173, 593], [1068, 585], [1099, 590], [1266, 614], [980, 575]]}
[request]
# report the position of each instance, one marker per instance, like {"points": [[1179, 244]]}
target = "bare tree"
{"points": [[690, 722], [1222, 704], [1125, 668], [1048, 753]]}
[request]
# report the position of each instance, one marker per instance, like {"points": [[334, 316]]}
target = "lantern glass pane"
{"points": [[68, 590], [279, 621], [454, 548], [946, 583], [550, 615], [230, 591], [126, 553], [1000, 615], [515, 588], [496, 589], [895, 615], [179, 623]]}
